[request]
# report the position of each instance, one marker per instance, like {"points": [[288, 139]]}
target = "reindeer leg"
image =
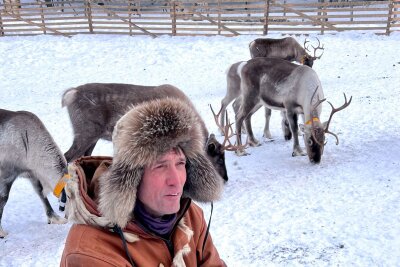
{"points": [[81, 146], [89, 151], [224, 103], [267, 133], [52, 217], [250, 136], [239, 122], [244, 111], [285, 127], [236, 106], [233, 91], [292, 119], [6, 182]]}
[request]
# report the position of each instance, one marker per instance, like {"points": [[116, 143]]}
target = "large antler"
{"points": [[227, 131], [334, 110], [315, 49]]}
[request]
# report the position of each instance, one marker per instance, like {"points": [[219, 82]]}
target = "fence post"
{"points": [[42, 16], [389, 19], [130, 16], [266, 15], [1, 26], [324, 13], [88, 14], [219, 17], [173, 18]]}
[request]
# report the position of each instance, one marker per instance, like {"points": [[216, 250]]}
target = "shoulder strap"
{"points": [[118, 230]]}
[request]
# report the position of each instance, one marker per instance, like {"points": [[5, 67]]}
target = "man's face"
{"points": [[162, 184]]}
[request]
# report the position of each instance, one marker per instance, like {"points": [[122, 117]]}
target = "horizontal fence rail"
{"points": [[195, 17]]}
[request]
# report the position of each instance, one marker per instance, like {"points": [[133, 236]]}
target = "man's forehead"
{"points": [[172, 153]]}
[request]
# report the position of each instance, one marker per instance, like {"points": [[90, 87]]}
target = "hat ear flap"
{"points": [[203, 183], [118, 189]]}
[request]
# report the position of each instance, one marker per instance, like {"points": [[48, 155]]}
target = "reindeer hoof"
{"points": [[254, 143], [298, 153], [3, 233], [267, 134], [267, 140], [55, 219], [242, 152]]}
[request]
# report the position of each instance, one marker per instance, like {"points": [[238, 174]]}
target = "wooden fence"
{"points": [[195, 17]]}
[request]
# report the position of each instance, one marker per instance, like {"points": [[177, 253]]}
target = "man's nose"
{"points": [[173, 177]]}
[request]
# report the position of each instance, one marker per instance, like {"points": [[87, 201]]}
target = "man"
{"points": [[136, 209]]}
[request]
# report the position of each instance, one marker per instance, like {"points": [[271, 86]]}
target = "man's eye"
{"points": [[159, 166]]}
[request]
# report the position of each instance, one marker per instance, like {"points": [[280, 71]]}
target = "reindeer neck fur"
{"points": [[27, 144], [301, 85], [310, 100]]}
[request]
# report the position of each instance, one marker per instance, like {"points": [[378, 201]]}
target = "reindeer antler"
{"points": [[334, 110], [315, 49], [319, 101], [227, 131], [304, 45]]}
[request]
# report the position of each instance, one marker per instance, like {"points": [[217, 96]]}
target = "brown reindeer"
{"points": [[95, 108], [286, 48], [28, 150]]}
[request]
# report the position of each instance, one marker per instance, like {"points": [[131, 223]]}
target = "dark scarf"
{"points": [[161, 226]]}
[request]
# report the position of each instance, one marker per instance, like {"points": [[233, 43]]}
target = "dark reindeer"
{"points": [[95, 108], [286, 48], [293, 89], [27, 150]]}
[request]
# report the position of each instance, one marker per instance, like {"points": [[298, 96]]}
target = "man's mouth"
{"points": [[173, 194]]}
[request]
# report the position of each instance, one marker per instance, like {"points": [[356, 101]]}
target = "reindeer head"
{"points": [[307, 59], [314, 131], [216, 155], [314, 139]]}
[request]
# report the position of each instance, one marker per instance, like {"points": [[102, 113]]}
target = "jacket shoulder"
{"points": [[91, 246]]}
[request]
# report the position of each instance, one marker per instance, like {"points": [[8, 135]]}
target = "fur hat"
{"points": [[146, 132]]}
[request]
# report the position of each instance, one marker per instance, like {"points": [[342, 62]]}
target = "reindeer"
{"points": [[95, 108], [233, 92], [28, 150], [285, 48], [293, 89]]}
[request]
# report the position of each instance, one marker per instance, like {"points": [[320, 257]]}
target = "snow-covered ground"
{"points": [[276, 210]]}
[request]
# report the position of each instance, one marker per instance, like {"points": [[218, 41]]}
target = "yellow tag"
{"points": [[61, 184], [313, 119]]}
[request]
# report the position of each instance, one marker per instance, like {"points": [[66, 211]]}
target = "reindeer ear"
{"points": [[302, 128], [211, 145], [324, 125], [303, 59]]}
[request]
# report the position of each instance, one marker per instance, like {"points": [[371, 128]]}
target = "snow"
{"points": [[276, 210]]}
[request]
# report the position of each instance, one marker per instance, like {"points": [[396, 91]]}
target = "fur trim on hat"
{"points": [[146, 132]]}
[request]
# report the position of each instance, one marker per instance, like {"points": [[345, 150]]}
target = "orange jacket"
{"points": [[91, 245]]}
